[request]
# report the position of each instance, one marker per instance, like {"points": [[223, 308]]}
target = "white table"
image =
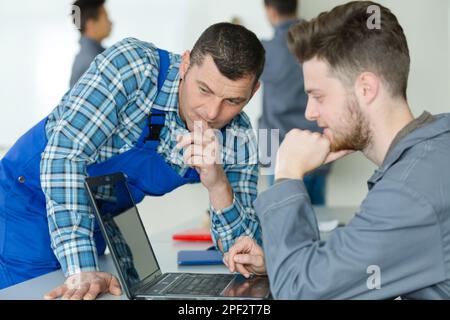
{"points": [[166, 252]]}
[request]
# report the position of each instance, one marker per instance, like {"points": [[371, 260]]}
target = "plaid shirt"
{"points": [[103, 115]]}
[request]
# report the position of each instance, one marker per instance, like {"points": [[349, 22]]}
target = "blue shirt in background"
{"points": [[89, 49], [284, 96]]}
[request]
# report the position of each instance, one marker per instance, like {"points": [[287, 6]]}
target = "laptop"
{"points": [[134, 258]]}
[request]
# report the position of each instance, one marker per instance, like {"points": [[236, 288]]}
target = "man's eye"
{"points": [[203, 90], [233, 102], [319, 99]]}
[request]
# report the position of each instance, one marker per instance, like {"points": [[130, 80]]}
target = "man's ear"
{"points": [[185, 63], [367, 87], [90, 26]]}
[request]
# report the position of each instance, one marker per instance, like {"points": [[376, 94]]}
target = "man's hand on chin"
{"points": [[303, 151]]}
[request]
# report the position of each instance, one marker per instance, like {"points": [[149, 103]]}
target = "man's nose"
{"points": [[213, 109], [311, 113]]}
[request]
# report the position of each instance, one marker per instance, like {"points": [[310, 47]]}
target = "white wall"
{"points": [[38, 44], [36, 50]]}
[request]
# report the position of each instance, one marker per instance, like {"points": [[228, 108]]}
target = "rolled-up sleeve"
{"points": [[241, 168]]}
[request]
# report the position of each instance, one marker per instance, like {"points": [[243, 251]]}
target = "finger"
{"points": [[231, 253], [68, 294], [56, 293], [246, 259], [193, 160], [225, 258], [209, 136], [242, 270], [114, 287], [183, 141], [212, 153], [254, 263], [225, 262], [333, 156], [79, 293], [193, 156], [316, 135], [193, 150], [198, 132], [241, 245], [199, 126], [94, 290]]}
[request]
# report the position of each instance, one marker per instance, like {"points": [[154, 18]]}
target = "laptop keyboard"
{"points": [[199, 284]]}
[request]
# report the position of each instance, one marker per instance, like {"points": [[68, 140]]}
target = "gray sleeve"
{"points": [[391, 247]]}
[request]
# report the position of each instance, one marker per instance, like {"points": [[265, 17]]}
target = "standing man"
{"points": [[145, 112], [284, 96], [356, 70], [95, 26]]}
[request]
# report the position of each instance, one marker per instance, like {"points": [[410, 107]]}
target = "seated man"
{"points": [[398, 243]]}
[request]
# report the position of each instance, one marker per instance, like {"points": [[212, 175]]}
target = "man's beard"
{"points": [[356, 134]]}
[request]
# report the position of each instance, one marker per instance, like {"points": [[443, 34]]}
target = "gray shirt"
{"points": [[89, 49], [284, 97], [401, 232]]}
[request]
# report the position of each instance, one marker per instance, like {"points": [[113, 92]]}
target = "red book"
{"points": [[196, 234]]}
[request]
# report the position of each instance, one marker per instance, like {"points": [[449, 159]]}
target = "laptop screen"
{"points": [[125, 232]]}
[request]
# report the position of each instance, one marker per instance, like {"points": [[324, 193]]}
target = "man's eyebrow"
{"points": [[237, 99], [205, 85], [309, 91]]}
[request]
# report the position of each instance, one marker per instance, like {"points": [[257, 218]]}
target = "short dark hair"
{"points": [[342, 38], [236, 51], [89, 9], [283, 7]]}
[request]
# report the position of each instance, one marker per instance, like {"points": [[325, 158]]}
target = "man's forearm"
{"points": [[231, 206], [221, 196], [288, 225]]}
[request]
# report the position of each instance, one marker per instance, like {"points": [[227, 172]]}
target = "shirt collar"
{"points": [[415, 132], [424, 119]]}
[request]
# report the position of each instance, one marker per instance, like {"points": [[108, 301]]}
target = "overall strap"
{"points": [[157, 117], [164, 63]]}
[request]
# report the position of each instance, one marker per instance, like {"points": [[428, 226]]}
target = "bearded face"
{"points": [[352, 132]]}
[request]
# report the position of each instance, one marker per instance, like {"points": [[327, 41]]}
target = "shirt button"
{"points": [[21, 179]]}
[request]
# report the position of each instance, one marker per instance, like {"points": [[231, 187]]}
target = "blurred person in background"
{"points": [[94, 27], [284, 97]]}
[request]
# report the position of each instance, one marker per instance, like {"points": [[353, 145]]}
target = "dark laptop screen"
{"points": [[125, 231]]}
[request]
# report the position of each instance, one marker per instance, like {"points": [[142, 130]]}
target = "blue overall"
{"points": [[25, 245]]}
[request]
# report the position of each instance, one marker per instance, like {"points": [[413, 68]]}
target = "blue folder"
{"points": [[199, 257]]}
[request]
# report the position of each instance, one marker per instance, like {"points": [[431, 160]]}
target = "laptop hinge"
{"points": [[146, 284]]}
